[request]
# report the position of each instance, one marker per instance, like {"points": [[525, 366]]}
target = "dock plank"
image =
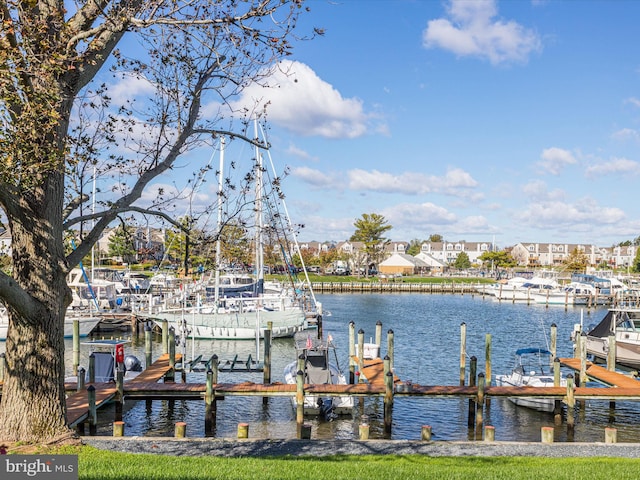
{"points": [[373, 370], [156, 370], [601, 374], [78, 403]]}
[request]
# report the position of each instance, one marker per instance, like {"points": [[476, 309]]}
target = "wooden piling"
{"points": [[611, 353], [266, 372], [299, 400], [473, 365], [610, 435], [388, 403], [570, 403], [480, 404], [118, 429], [305, 431], [93, 411], [363, 430], [208, 396], [553, 345], [425, 434], [76, 345], [378, 334], [119, 398], [583, 359], [488, 373], [148, 346], [243, 430], [214, 364], [170, 376], [489, 433], [557, 406], [463, 351], [547, 434], [360, 351], [81, 378], [180, 430], [92, 368], [390, 348], [165, 336], [352, 352], [611, 361]]}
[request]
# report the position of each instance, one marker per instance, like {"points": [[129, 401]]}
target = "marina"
{"points": [[426, 391]]}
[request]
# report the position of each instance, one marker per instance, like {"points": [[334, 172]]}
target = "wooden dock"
{"points": [[147, 386]]}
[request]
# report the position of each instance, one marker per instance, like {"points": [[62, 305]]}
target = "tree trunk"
{"points": [[33, 406]]}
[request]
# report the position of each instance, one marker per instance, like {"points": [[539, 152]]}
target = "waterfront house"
{"points": [[402, 264]]}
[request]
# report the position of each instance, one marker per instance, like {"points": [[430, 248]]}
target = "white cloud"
{"points": [[300, 101], [298, 152], [570, 216], [633, 101], [408, 218], [313, 177], [419, 216], [472, 29], [553, 160], [129, 88], [455, 182], [621, 166], [537, 191], [626, 134]]}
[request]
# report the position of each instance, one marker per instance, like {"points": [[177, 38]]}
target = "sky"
{"points": [[505, 121]]}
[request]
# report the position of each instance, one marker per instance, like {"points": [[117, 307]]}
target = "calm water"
{"points": [[427, 348]]}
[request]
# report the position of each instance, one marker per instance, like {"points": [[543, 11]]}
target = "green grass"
{"points": [[98, 464]]}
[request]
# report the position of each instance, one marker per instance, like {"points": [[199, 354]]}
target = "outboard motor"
{"points": [[326, 409], [132, 364]]}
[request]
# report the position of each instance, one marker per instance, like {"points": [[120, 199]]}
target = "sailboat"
{"points": [[246, 313], [86, 324]]}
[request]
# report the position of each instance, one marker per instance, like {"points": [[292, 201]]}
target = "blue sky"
{"points": [[477, 120]]}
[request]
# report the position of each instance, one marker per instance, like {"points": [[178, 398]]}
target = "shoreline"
{"points": [[322, 448]]}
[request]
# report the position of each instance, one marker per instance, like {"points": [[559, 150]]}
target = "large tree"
{"points": [[370, 230], [60, 126]]}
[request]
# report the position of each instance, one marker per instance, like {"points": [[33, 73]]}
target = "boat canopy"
{"points": [[533, 350]]}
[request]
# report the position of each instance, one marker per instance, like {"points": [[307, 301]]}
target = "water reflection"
{"points": [[426, 332]]}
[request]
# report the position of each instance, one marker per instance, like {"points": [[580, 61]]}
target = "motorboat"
{"points": [[624, 323], [86, 324], [533, 367], [574, 293], [319, 369], [98, 294], [519, 291], [107, 355]]}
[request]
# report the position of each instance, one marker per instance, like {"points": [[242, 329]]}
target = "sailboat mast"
{"points": [[259, 247], [218, 245]]}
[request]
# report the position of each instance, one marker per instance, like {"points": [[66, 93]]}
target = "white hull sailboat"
{"points": [[247, 325], [237, 306]]}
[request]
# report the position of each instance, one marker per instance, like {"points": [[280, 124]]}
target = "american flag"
{"points": [[309, 342]]}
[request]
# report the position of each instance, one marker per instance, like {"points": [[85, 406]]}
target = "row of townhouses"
{"points": [[526, 254], [433, 254]]}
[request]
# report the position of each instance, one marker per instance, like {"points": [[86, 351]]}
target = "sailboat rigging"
{"points": [[243, 310]]}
